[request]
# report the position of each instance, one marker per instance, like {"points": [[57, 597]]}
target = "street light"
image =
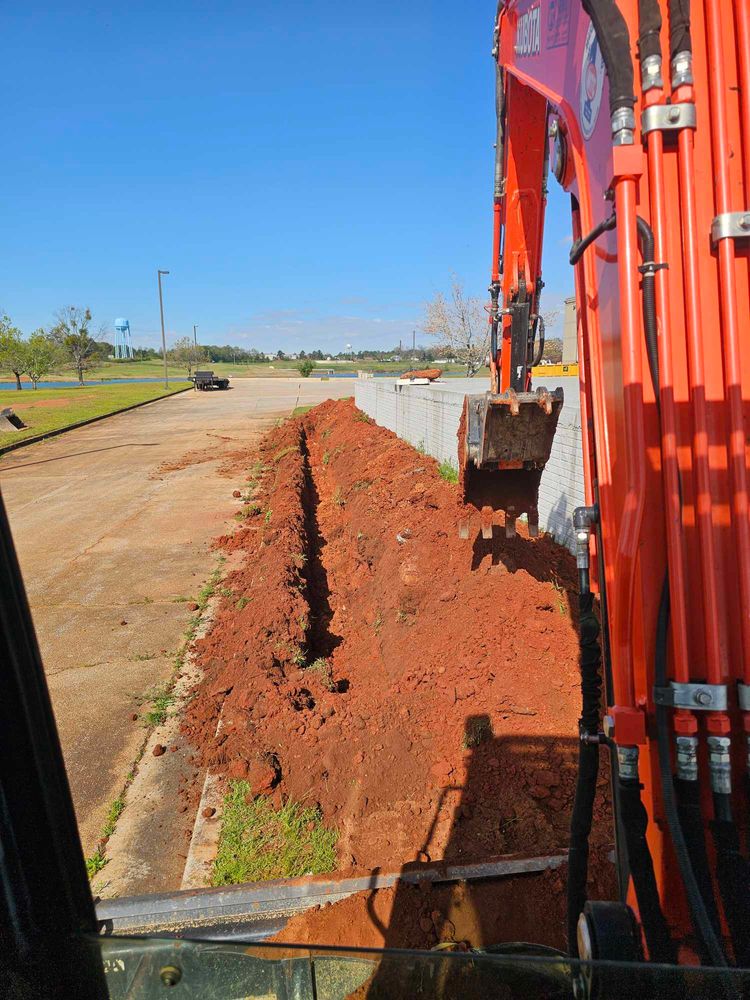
{"points": [[195, 334], [163, 339], [349, 348]]}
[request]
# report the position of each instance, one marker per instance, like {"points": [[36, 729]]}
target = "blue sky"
{"points": [[309, 173]]}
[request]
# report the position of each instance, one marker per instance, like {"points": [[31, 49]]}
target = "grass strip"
{"points": [[46, 411], [258, 842]]}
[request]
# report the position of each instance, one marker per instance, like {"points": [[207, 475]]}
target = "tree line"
{"points": [[68, 343]]}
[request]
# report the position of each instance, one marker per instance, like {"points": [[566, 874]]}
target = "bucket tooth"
{"points": [[510, 522], [533, 521], [487, 513], [463, 527]]}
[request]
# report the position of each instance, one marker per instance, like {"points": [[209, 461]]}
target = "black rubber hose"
{"points": [[704, 929], [581, 819], [732, 875], [649, 26], [648, 270], [539, 336], [614, 42], [661, 948], [581, 245], [691, 821], [679, 27]]}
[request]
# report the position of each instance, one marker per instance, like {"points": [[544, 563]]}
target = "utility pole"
{"points": [[163, 338], [413, 341], [195, 335]]}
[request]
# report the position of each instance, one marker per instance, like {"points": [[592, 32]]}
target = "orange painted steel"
{"points": [[730, 327], [672, 485]]}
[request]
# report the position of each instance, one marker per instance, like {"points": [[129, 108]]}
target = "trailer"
{"points": [[205, 380]]}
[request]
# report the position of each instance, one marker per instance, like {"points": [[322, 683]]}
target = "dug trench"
{"points": [[421, 691]]}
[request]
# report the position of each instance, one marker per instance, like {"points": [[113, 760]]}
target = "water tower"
{"points": [[123, 343]]}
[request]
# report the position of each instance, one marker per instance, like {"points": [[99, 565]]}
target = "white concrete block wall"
{"points": [[427, 416]]}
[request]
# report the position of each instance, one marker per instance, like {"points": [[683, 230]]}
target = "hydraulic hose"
{"points": [[588, 760], [580, 246], [704, 928], [539, 337], [732, 876], [648, 269], [679, 27], [661, 948], [649, 26], [614, 42]]}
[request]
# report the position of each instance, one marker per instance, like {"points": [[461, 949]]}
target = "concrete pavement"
{"points": [[113, 524]]}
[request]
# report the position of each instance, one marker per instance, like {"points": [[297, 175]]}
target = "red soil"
{"points": [[440, 718]]}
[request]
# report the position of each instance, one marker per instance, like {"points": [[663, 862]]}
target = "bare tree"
{"points": [[185, 354], [72, 333], [459, 323]]}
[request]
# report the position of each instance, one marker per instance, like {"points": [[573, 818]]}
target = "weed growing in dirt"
{"points": [[324, 670], [161, 698], [326, 457], [284, 451], [362, 484], [421, 448], [225, 592], [95, 863], [258, 842], [401, 616], [242, 603], [561, 607], [478, 730], [180, 600], [141, 657], [377, 622], [338, 497], [325, 433], [115, 811], [300, 411], [363, 418], [448, 472], [299, 559], [267, 516]]}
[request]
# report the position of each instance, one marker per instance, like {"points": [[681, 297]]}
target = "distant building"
{"points": [[570, 333]]}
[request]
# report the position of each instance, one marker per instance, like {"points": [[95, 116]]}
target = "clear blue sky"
{"points": [[309, 173]]}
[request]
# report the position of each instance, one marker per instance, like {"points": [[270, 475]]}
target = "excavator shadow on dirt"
{"points": [[489, 912]]}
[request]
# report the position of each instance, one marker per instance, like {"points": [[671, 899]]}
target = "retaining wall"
{"points": [[427, 416]]}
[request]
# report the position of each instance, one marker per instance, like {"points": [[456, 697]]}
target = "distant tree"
{"points": [[306, 368], [43, 356], [459, 324], [185, 354], [553, 351], [72, 334], [14, 353]]}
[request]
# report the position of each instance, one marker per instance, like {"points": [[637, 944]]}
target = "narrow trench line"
{"points": [[321, 640]]}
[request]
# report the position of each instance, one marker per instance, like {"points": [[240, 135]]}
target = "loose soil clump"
{"points": [[421, 690]]}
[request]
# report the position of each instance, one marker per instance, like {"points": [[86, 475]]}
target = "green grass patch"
{"points": [[284, 451], [115, 811], [95, 862], [300, 411], [46, 410], [160, 698], [363, 418], [258, 842], [324, 670], [448, 472]]}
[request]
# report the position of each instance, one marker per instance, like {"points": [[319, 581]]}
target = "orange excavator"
{"points": [[641, 111]]}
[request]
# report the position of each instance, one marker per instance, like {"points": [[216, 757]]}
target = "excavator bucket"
{"points": [[504, 442]]}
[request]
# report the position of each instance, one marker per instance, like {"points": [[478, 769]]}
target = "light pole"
{"points": [[163, 339], [195, 334]]}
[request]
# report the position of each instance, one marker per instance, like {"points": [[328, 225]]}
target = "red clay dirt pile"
{"points": [[422, 689]]}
